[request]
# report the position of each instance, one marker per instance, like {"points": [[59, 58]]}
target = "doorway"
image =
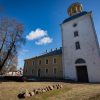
{"points": [[82, 73]]}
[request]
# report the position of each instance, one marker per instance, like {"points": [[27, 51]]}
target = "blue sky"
{"points": [[44, 17]]}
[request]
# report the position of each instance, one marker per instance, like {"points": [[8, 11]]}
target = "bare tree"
{"points": [[11, 37], [10, 65]]}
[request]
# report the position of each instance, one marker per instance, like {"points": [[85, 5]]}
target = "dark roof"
{"points": [[74, 17], [51, 53]]}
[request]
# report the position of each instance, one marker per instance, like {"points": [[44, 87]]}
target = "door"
{"points": [[82, 73], [39, 73]]}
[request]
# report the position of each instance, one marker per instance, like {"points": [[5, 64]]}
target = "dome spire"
{"points": [[74, 9]]}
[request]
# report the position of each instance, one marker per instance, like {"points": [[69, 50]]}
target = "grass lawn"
{"points": [[70, 91]]}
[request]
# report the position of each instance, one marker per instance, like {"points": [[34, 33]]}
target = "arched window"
{"points": [[80, 61]]}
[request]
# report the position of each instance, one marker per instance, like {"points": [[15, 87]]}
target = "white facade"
{"points": [[89, 48]]}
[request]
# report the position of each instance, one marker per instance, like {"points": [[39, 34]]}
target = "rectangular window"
{"points": [[32, 70], [33, 63], [46, 71], [75, 33], [54, 70], [54, 61], [46, 61], [77, 45], [39, 62]]}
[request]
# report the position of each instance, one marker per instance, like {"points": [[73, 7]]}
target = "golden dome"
{"points": [[74, 9]]}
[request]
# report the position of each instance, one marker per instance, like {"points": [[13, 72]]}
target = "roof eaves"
{"points": [[74, 17]]}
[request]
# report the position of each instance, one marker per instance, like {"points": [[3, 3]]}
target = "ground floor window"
{"points": [[32, 70], [39, 72], [26, 70], [46, 71], [54, 70]]}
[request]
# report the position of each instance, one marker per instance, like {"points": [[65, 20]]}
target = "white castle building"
{"points": [[81, 54]]}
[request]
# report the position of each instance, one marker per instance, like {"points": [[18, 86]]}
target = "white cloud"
{"points": [[38, 33], [44, 41], [41, 37]]}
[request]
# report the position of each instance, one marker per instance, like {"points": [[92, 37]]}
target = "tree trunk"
{"points": [[3, 42], [9, 51]]}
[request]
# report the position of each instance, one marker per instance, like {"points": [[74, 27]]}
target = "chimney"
{"points": [[51, 49]]}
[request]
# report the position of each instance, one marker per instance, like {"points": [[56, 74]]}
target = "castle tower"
{"points": [[81, 54]]}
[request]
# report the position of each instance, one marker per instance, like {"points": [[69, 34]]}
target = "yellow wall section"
{"points": [[32, 70]]}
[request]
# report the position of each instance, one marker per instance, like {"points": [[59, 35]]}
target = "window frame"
{"points": [[40, 62], [80, 61], [77, 45], [32, 71], [46, 70], [76, 34], [54, 70], [33, 63], [54, 59], [75, 24], [46, 60]]}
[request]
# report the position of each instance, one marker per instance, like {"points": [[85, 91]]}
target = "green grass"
{"points": [[70, 91]]}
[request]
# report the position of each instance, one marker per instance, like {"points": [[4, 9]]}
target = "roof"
{"points": [[51, 53], [74, 17]]}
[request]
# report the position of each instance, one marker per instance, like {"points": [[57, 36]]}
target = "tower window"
{"points": [[75, 33], [46, 61], [77, 44], [46, 70], [75, 24]]}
